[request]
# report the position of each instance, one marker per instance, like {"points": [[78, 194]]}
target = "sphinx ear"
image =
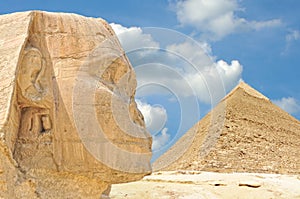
{"points": [[31, 76], [41, 80], [43, 69]]}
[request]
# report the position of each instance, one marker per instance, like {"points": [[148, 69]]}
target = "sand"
{"points": [[207, 185]]}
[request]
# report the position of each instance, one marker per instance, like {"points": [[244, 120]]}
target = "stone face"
{"points": [[254, 136], [69, 125]]}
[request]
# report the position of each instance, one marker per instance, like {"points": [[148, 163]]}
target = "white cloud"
{"points": [[187, 68], [160, 140], [133, 38], [195, 72], [258, 25], [217, 18], [289, 104], [210, 79], [197, 53], [230, 73], [212, 83], [209, 84], [293, 35], [155, 116]]}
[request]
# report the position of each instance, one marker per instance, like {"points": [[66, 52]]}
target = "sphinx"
{"points": [[69, 125]]}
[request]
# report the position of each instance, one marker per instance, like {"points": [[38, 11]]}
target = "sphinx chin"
{"points": [[69, 126]]}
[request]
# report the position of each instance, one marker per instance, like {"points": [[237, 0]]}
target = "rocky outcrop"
{"points": [[69, 125], [245, 132]]}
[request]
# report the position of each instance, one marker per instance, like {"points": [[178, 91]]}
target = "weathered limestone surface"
{"points": [[255, 136], [69, 126]]}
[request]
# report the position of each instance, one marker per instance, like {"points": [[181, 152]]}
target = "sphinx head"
{"points": [[69, 125], [75, 103]]}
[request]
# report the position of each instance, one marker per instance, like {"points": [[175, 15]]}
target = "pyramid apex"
{"points": [[242, 84], [248, 89]]}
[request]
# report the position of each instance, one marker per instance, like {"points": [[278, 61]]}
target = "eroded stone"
{"points": [[69, 125]]}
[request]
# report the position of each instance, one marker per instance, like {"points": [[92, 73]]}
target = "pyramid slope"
{"points": [[255, 136]]}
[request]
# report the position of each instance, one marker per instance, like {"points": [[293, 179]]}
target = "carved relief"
{"points": [[35, 119], [30, 80], [41, 130]]}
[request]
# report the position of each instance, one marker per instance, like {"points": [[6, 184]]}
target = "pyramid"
{"points": [[245, 132]]}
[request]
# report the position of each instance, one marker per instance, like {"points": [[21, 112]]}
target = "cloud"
{"points": [[258, 25], [293, 35], [212, 84], [186, 68], [197, 53], [290, 38], [160, 140], [208, 85], [217, 18], [230, 73], [210, 79], [133, 38], [289, 104], [155, 116]]}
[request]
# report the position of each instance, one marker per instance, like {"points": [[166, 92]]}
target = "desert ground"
{"points": [[207, 185]]}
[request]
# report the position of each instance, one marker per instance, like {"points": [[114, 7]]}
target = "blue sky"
{"points": [[256, 41]]}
